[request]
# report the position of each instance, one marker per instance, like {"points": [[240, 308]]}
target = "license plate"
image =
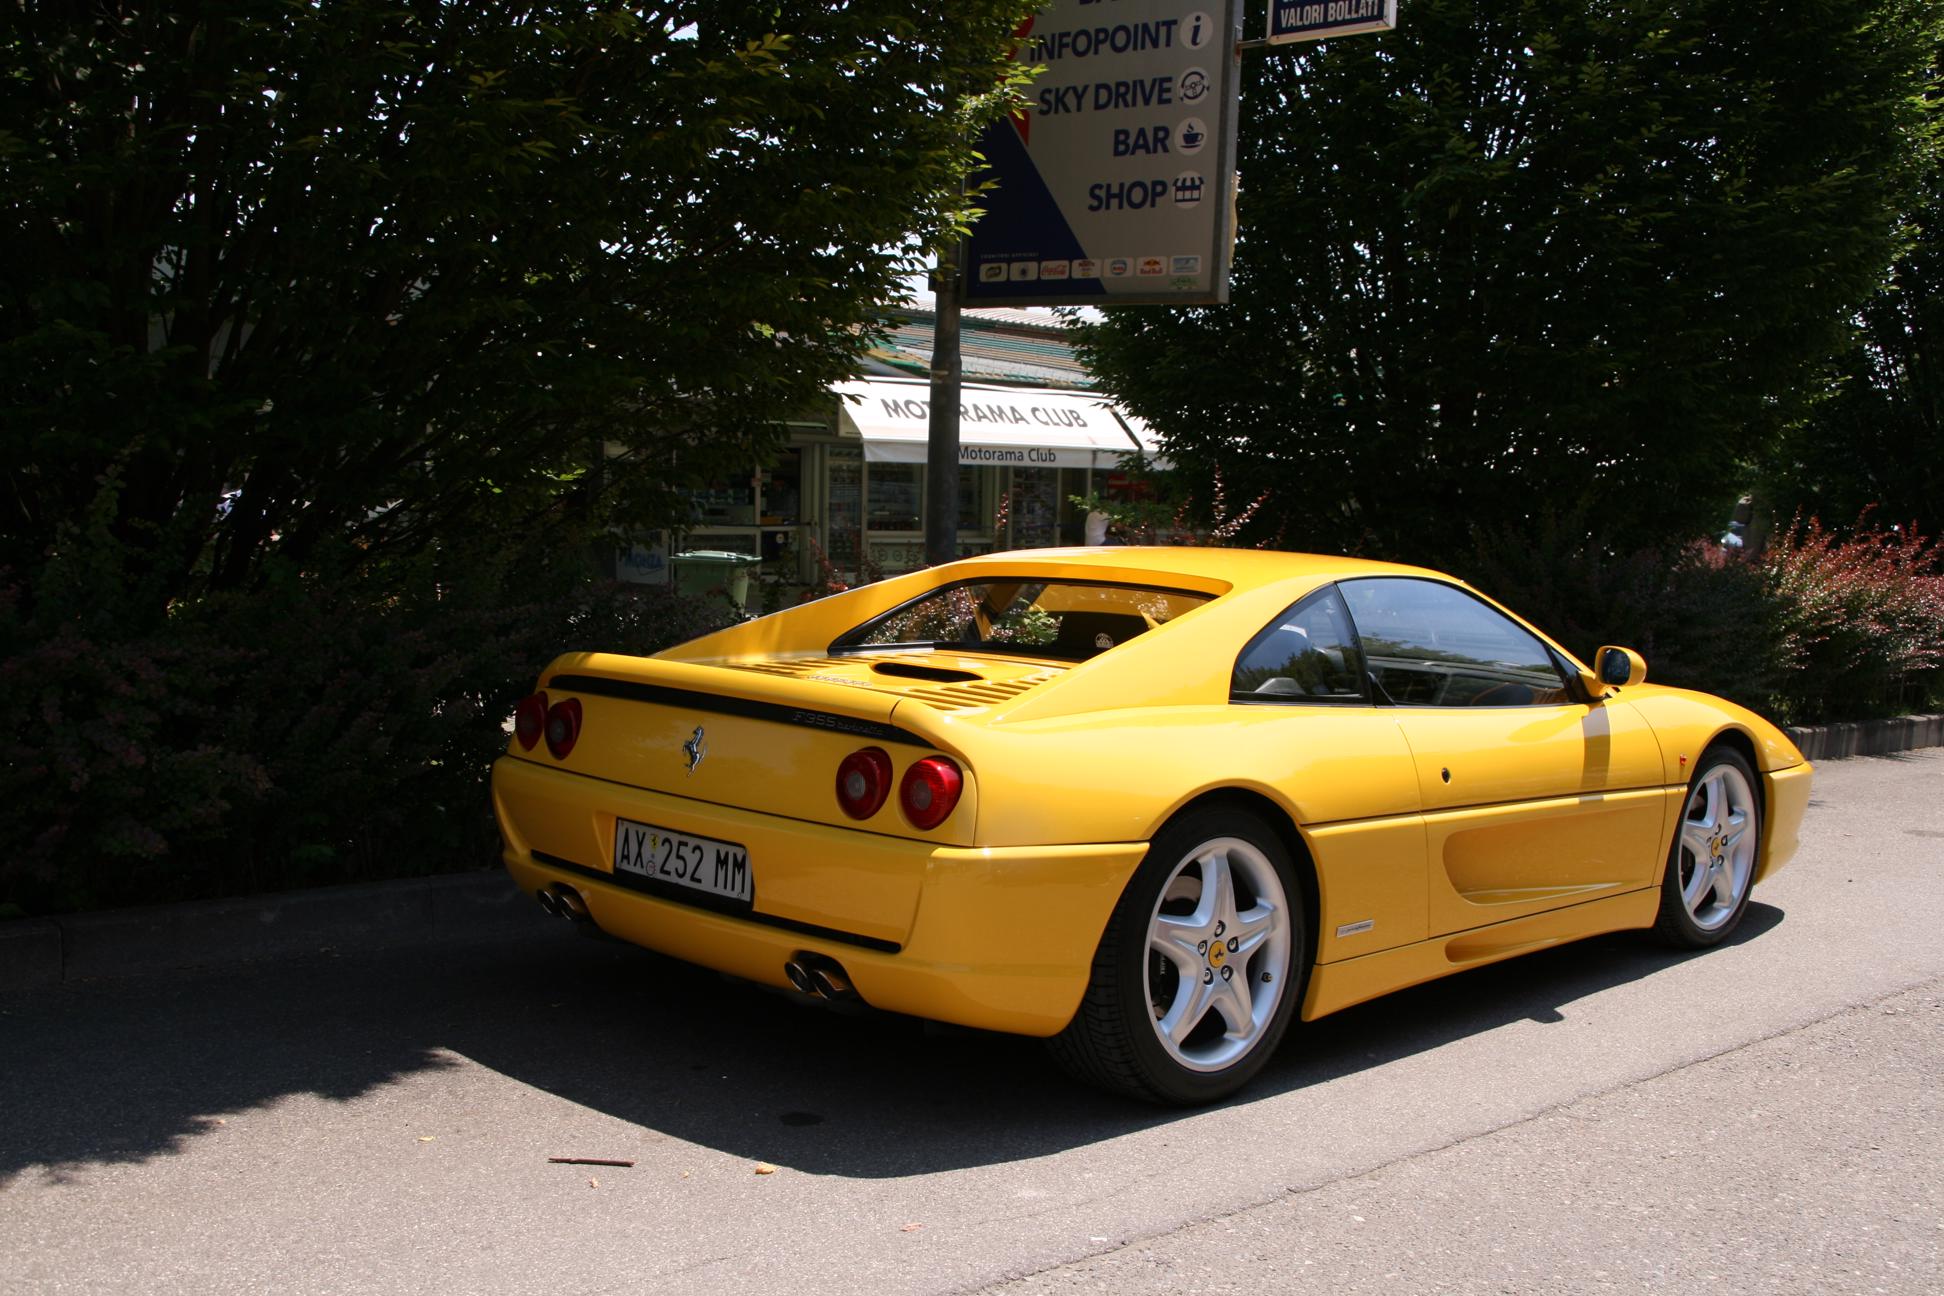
{"points": [[700, 863]]}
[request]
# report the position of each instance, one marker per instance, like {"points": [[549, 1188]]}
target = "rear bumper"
{"points": [[1000, 939]]}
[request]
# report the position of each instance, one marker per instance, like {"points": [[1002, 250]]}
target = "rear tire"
{"points": [[1717, 845], [1199, 970]]}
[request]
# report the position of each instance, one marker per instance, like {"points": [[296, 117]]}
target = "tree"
{"points": [[1530, 256], [290, 283], [319, 321], [1876, 441]]}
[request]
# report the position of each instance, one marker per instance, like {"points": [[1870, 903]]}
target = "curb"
{"points": [[40, 952], [1868, 737]]}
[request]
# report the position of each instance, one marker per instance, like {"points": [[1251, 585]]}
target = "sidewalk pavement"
{"points": [[159, 938]]}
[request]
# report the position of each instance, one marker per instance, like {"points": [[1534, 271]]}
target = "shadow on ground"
{"points": [[124, 1071]]}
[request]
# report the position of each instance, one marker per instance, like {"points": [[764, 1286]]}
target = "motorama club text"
{"points": [[920, 411]]}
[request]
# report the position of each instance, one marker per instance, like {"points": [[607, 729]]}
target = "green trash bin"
{"points": [[707, 571]]}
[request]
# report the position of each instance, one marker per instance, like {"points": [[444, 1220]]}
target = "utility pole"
{"points": [[942, 431]]}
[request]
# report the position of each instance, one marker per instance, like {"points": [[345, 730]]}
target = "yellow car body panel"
{"points": [[1786, 794], [1370, 885], [1688, 723], [1436, 838], [643, 745], [1494, 863], [1335, 986], [861, 884], [995, 938]]}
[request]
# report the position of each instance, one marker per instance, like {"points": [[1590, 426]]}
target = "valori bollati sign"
{"points": [[1308, 20], [1113, 186]]}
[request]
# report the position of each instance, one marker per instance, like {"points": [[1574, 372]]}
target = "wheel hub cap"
{"points": [[1219, 935], [1718, 843]]}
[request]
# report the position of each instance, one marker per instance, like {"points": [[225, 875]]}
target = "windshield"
{"points": [[1069, 619]]}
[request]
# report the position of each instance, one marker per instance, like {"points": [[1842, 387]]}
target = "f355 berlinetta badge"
{"points": [[697, 748]]}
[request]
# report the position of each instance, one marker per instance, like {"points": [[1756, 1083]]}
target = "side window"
{"points": [[1435, 645], [1308, 654]]}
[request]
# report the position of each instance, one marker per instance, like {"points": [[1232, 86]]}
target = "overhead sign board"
{"points": [[1114, 184], [1308, 20]]}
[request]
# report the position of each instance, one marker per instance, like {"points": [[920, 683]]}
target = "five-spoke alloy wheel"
{"points": [[1200, 967], [1711, 866]]}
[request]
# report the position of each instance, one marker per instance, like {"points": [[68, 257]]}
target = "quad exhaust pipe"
{"points": [[817, 975], [562, 901], [820, 977]]}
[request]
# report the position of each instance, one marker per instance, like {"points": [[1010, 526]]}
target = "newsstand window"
{"points": [[895, 493]]}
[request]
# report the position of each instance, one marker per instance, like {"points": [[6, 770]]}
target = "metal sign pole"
{"points": [[942, 440]]}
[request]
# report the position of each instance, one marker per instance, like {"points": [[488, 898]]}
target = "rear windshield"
{"points": [[1070, 619]]}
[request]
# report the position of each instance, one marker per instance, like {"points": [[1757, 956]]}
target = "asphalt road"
{"points": [[1606, 1117]]}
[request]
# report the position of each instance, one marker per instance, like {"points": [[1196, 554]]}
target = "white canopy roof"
{"points": [[1147, 438], [1028, 427]]}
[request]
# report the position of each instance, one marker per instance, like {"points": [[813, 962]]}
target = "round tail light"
{"points": [[563, 727], [530, 719], [929, 791], [863, 782]]}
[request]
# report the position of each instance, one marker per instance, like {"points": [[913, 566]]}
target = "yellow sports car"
{"points": [[1147, 803]]}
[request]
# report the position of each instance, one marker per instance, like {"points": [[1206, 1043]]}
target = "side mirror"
{"points": [[1619, 667]]}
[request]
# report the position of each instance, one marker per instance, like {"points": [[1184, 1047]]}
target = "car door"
{"points": [[1306, 706], [1532, 799]]}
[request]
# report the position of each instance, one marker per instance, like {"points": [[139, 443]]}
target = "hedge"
{"points": [[294, 738], [1816, 627]]}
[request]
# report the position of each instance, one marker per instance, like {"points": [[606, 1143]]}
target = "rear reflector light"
{"points": [[929, 791], [863, 782], [563, 727], [529, 719]]}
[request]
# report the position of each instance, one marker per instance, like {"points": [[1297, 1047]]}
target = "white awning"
{"points": [[1147, 438], [1022, 426]]}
